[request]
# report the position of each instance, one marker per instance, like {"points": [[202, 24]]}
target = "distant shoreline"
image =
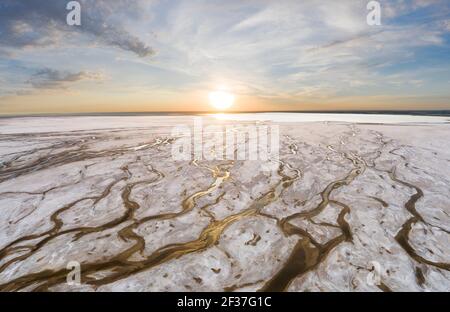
{"points": [[443, 113]]}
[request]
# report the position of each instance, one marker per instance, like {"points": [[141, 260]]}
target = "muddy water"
{"points": [[307, 253], [402, 236], [122, 267]]}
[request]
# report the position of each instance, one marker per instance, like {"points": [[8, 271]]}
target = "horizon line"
{"points": [[434, 112]]}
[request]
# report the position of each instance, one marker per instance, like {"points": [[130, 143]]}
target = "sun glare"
{"points": [[221, 99]]}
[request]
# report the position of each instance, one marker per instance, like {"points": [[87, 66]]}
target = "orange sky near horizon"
{"points": [[93, 103]]}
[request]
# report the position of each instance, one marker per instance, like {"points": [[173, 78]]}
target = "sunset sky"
{"points": [[149, 55]]}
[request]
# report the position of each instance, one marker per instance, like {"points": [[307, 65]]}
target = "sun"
{"points": [[221, 99]]}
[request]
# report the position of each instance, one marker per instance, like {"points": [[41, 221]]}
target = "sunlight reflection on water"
{"points": [[311, 117]]}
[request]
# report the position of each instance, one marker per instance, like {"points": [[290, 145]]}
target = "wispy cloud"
{"points": [[54, 79], [43, 23], [291, 48]]}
